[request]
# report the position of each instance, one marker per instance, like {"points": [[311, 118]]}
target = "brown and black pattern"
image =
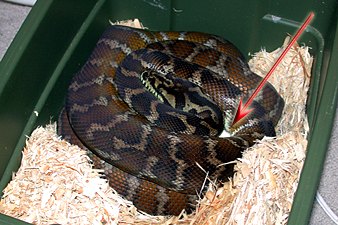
{"points": [[149, 107]]}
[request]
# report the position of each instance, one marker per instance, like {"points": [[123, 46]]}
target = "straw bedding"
{"points": [[57, 184]]}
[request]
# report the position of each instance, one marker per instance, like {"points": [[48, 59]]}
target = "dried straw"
{"points": [[57, 184]]}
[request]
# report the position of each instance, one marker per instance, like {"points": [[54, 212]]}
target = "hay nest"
{"points": [[57, 184]]}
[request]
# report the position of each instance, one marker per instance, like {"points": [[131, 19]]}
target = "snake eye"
{"points": [[144, 75]]}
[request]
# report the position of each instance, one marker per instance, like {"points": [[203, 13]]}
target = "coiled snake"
{"points": [[150, 107]]}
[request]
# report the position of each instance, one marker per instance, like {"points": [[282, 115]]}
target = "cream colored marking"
{"points": [[144, 37], [94, 127], [99, 80], [141, 146], [220, 69], [173, 141], [79, 108], [129, 73], [119, 143], [165, 69], [162, 199], [231, 102], [196, 78], [199, 108], [133, 184], [148, 170], [189, 129], [212, 157], [110, 156], [211, 43], [97, 61], [245, 68], [75, 86], [103, 101], [164, 36], [182, 36], [115, 44], [114, 64], [196, 51], [160, 68], [154, 113], [110, 80], [129, 93]]}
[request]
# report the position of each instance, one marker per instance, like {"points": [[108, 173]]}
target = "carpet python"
{"points": [[150, 107]]}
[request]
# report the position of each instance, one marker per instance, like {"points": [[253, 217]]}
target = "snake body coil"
{"points": [[150, 106]]}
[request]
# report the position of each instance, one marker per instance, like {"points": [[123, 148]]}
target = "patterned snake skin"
{"points": [[149, 108]]}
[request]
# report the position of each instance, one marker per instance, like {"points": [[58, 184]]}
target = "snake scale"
{"points": [[149, 107]]}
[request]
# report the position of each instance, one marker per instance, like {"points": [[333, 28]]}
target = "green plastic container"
{"points": [[58, 36]]}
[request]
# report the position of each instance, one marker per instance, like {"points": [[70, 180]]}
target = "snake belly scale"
{"points": [[149, 108]]}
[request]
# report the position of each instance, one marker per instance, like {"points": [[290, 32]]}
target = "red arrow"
{"points": [[243, 111]]}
